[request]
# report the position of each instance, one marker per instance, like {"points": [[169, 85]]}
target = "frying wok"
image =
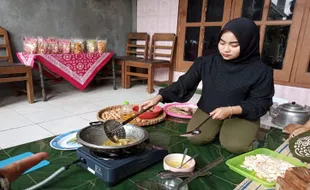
{"points": [[93, 137]]}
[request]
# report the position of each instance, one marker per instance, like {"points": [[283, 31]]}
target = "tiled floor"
{"points": [[67, 109]]}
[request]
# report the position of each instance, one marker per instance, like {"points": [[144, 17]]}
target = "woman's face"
{"points": [[229, 46]]}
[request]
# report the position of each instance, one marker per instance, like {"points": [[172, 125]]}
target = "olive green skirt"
{"points": [[236, 135]]}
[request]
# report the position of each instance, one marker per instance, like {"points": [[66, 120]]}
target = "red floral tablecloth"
{"points": [[78, 69]]}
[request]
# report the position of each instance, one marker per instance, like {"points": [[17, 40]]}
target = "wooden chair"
{"points": [[153, 62], [10, 72], [136, 49]]}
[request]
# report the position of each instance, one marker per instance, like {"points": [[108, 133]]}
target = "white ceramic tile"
{"points": [[108, 102], [164, 6], [103, 94], [32, 108], [12, 100], [308, 97], [14, 122], [47, 115], [91, 116], [299, 95], [278, 91], [22, 135], [5, 111], [64, 125], [80, 107]]}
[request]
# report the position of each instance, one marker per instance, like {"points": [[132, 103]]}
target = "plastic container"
{"points": [[236, 162], [151, 114], [126, 111]]}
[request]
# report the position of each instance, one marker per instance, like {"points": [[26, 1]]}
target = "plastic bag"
{"points": [[102, 44], [64, 46], [30, 45], [91, 46], [42, 45], [77, 46]]}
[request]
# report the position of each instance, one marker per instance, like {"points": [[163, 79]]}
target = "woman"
{"points": [[237, 89]]}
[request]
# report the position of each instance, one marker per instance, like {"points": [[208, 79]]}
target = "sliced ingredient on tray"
{"points": [[266, 167]]}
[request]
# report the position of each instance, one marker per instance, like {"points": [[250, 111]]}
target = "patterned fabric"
{"points": [[78, 69], [4, 183]]}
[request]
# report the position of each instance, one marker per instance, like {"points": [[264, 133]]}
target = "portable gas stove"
{"points": [[115, 168]]}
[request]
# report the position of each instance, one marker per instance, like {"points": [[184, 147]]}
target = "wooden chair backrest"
{"points": [[4, 35], [166, 38], [138, 45]]}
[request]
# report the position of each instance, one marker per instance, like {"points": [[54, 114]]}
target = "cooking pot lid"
{"points": [[292, 106]]}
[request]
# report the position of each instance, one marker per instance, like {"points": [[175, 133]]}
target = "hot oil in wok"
{"points": [[120, 142]]}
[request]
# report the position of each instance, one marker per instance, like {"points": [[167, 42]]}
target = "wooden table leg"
{"points": [[42, 81], [114, 75]]}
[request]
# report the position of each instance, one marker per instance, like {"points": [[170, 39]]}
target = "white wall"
{"points": [[161, 16]]}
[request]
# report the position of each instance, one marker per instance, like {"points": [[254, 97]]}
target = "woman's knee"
{"points": [[235, 147]]}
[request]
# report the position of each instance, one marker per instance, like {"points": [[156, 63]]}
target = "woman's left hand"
{"points": [[221, 113], [298, 131]]}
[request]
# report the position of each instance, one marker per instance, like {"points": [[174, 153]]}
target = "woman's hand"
{"points": [[221, 113], [298, 131], [16, 169], [151, 102], [290, 128]]}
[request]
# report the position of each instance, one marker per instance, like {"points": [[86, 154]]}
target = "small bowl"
{"points": [[177, 158], [150, 114]]}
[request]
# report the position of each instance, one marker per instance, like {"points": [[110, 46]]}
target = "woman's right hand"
{"points": [[151, 102]]}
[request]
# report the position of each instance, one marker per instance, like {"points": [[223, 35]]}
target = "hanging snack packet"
{"points": [[30, 45], [91, 46], [42, 45], [102, 44], [53, 45], [64, 46], [77, 46]]}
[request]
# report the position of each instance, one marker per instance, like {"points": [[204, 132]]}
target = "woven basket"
{"points": [[113, 112]]}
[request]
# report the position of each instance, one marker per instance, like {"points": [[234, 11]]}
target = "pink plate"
{"points": [[179, 105]]}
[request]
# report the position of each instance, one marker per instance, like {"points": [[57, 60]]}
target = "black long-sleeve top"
{"points": [[225, 84]]}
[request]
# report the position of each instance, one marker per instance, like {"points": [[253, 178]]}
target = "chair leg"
{"points": [[123, 74], [29, 86], [127, 76], [150, 80], [170, 75]]}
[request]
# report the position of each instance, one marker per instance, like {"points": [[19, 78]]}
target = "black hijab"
{"points": [[247, 34]]}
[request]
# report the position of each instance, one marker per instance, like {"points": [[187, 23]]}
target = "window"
{"points": [[279, 22]]}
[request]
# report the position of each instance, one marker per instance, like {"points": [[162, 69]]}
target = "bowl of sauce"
{"points": [[173, 161]]}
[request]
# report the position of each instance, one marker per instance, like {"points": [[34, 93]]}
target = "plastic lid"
{"points": [[126, 103]]}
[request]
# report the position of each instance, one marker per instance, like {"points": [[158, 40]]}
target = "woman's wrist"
{"points": [[235, 110], [159, 98]]}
